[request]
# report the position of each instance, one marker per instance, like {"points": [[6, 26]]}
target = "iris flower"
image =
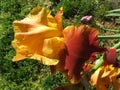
{"points": [[81, 43], [106, 76], [39, 36]]}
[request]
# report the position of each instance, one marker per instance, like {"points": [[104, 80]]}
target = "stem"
{"points": [[118, 50], [116, 45], [99, 63], [109, 37], [112, 30]]}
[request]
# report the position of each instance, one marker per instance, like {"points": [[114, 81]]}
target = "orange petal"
{"points": [[106, 76], [31, 32], [58, 18], [52, 47]]}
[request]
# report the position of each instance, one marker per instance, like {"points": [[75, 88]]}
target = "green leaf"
{"points": [[113, 15], [115, 10]]}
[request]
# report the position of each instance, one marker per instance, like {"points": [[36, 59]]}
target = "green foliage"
{"points": [[115, 13], [79, 8], [53, 81]]}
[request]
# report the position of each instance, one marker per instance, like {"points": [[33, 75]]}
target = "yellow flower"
{"points": [[106, 76], [39, 36]]}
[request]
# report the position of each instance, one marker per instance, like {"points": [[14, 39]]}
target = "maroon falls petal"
{"points": [[110, 56], [81, 42]]}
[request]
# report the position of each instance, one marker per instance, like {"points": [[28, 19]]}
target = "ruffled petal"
{"points": [[81, 42], [106, 76], [31, 32], [52, 47]]}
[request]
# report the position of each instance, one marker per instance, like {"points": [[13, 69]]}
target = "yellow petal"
{"points": [[52, 47], [44, 60], [106, 76], [31, 32], [107, 70], [95, 77]]}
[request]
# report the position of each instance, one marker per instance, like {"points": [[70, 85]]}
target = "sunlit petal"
{"points": [[32, 32], [106, 76], [52, 47]]}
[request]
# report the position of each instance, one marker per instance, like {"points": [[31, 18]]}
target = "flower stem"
{"points": [[118, 50], [116, 45], [99, 63], [108, 37], [111, 30]]}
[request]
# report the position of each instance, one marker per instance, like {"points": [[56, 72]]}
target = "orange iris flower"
{"points": [[106, 76], [39, 36]]}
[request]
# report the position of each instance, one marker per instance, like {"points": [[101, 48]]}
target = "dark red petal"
{"points": [[60, 66], [52, 69], [87, 67], [81, 42], [110, 56]]}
